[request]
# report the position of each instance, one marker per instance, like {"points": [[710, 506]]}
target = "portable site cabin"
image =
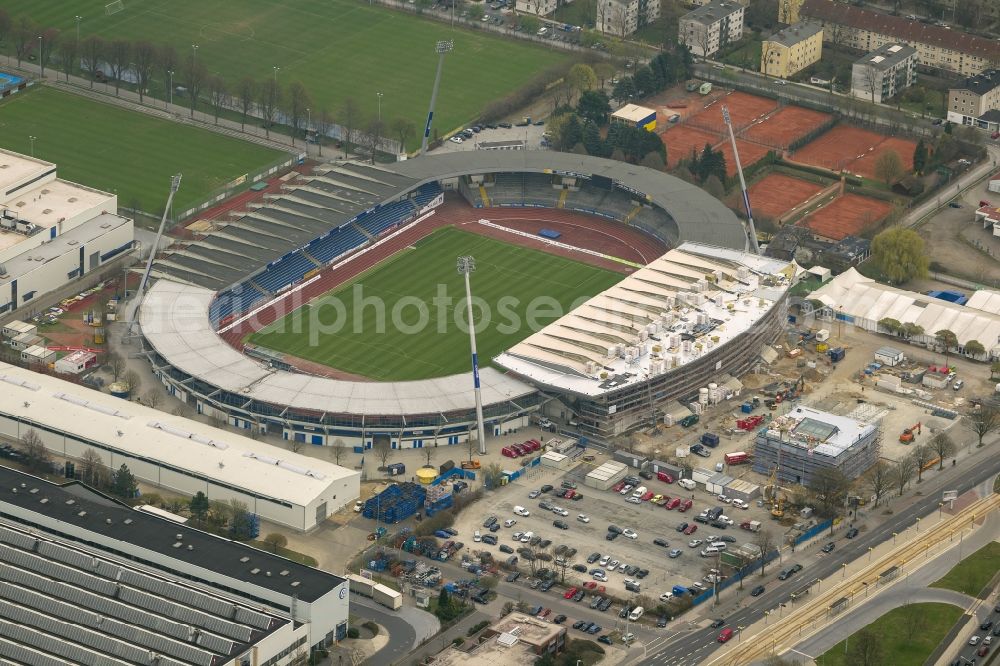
{"points": [[889, 356], [17, 327]]}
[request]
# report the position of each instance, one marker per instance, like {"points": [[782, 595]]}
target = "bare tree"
{"points": [[152, 398], [942, 446], [119, 57], [428, 452], [47, 43], [90, 468], [24, 34], [143, 62], [871, 81], [866, 649], [373, 136], [983, 422], [297, 104], [338, 450], [492, 474], [246, 93], [324, 123], [903, 472], [93, 47], [69, 56], [403, 129], [6, 23], [36, 456], [132, 379], [296, 445], [829, 485], [197, 74], [764, 542], [922, 456], [382, 446], [219, 95], [166, 60], [350, 116], [878, 480], [268, 101]]}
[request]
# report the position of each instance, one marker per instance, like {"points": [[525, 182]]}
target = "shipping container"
{"points": [[447, 466], [710, 439], [737, 458], [395, 469]]}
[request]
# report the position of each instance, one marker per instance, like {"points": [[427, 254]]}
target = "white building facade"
{"points": [[708, 28], [623, 17], [884, 73]]}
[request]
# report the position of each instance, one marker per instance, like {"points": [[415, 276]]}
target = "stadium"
{"points": [[234, 324]]}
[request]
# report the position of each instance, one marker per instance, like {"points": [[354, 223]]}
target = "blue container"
{"points": [[710, 439], [746, 407]]}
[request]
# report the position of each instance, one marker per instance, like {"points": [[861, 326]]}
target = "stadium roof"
{"points": [[689, 301], [174, 320], [860, 297], [162, 438], [699, 216]]}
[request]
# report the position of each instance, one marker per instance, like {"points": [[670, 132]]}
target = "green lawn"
{"points": [[337, 48], [514, 283], [121, 151], [907, 635], [973, 573]]}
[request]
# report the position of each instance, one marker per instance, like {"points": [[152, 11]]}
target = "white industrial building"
{"points": [[172, 452], [51, 231], [75, 362], [85, 579], [855, 299], [606, 475]]}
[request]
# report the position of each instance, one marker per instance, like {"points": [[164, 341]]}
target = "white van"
{"points": [[527, 536], [639, 492], [719, 545], [543, 31], [635, 614], [710, 551], [521, 511], [687, 484]]}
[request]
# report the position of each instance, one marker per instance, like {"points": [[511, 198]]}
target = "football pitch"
{"points": [[116, 150], [337, 48], [399, 321]]}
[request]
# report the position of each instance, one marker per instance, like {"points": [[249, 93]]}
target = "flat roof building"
{"points": [[173, 452], [884, 73], [708, 28], [634, 115], [976, 101], [516, 639]]}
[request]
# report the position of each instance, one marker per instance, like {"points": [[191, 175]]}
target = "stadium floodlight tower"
{"points": [[752, 231], [442, 48], [466, 265], [175, 183]]}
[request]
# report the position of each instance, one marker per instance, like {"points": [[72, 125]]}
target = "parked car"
{"points": [[583, 518], [690, 529], [662, 543], [757, 591], [828, 548], [630, 533], [851, 533], [682, 527], [675, 553]]}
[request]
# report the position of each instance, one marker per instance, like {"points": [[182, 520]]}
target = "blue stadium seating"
{"points": [[425, 193], [236, 301], [336, 243], [384, 217], [285, 272]]}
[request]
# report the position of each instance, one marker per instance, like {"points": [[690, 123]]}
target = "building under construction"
{"points": [[807, 440]]}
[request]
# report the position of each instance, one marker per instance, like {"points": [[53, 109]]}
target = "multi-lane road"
{"points": [[687, 645]]}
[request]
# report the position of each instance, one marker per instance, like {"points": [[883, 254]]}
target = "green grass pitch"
{"points": [[349, 339], [113, 149], [335, 47]]}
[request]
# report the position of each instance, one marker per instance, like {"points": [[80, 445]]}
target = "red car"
{"points": [[618, 486], [685, 505], [570, 592], [533, 444], [648, 495], [674, 503], [544, 614], [521, 449], [509, 452], [570, 493], [663, 476], [725, 635], [589, 585], [690, 529]]}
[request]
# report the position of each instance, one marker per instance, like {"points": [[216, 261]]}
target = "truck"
{"points": [[837, 354], [750, 525], [687, 484], [737, 458], [710, 439]]}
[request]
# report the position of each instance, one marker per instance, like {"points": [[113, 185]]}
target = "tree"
{"points": [[69, 56], [382, 447], [947, 339], [922, 455], [889, 167], [166, 60], [942, 446], [866, 649], [594, 106], [903, 472], [24, 34], [241, 520], [131, 378], [119, 58], [830, 486], [994, 369], [5, 25], [350, 116], [276, 540], [900, 255], [197, 74], [373, 136], [199, 505], [872, 81], [296, 445], [218, 95], [36, 456], [152, 398], [878, 480], [983, 422], [116, 364], [710, 163], [492, 474], [403, 129], [763, 540], [298, 103], [592, 140], [624, 90], [974, 348], [246, 94], [268, 101], [143, 62], [582, 78], [338, 450], [49, 39], [90, 468], [645, 82], [920, 157], [891, 326], [604, 72], [324, 123], [714, 186], [123, 484], [92, 48], [911, 330], [653, 161]]}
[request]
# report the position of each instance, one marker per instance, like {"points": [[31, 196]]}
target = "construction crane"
{"points": [[909, 434]]}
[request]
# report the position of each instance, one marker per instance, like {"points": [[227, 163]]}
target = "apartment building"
{"points": [[884, 72], [791, 50], [537, 7], [705, 29], [937, 47], [976, 101], [623, 17]]}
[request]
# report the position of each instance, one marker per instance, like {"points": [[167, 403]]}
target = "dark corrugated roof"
{"points": [[981, 83]]}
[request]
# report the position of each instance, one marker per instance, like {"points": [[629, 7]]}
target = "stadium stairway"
{"points": [[360, 228], [311, 258], [562, 199], [632, 213], [485, 197]]}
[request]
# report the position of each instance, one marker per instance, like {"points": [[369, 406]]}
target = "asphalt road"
{"points": [[693, 646], [401, 635]]}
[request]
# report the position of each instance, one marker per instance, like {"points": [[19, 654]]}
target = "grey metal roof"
{"points": [[712, 11], [794, 34], [887, 56], [699, 216]]}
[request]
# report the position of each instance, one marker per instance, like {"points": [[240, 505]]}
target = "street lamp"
{"points": [[170, 94], [844, 570], [894, 538], [379, 105], [78, 19], [32, 139], [466, 265], [194, 54], [41, 57], [276, 70], [869, 553]]}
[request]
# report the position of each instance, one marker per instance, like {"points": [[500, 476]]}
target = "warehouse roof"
{"points": [[667, 314], [174, 441], [863, 298], [174, 320]]}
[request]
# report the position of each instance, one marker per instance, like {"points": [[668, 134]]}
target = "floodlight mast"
{"points": [[175, 183], [442, 48], [466, 265], [752, 231]]}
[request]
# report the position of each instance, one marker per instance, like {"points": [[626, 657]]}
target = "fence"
{"points": [[221, 193], [813, 531], [741, 573]]}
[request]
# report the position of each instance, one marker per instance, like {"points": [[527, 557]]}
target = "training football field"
{"points": [[353, 328], [337, 48], [116, 150]]}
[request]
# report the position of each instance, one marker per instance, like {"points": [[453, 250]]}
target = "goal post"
{"points": [[114, 7]]}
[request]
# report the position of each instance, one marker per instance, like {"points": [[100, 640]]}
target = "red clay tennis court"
{"points": [[743, 108], [903, 147], [775, 194], [749, 153], [838, 148], [786, 125], [847, 215], [680, 140]]}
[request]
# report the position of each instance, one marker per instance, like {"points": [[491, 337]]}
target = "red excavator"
{"points": [[909, 434]]}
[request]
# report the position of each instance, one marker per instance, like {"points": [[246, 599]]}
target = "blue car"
{"points": [[594, 629], [441, 534]]}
